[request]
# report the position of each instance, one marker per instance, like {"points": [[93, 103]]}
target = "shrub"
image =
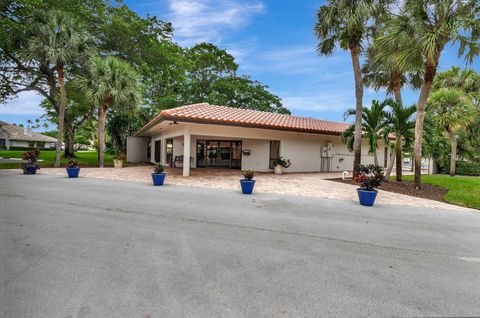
{"points": [[72, 163], [248, 174], [468, 168], [369, 177], [158, 168], [282, 162], [120, 156], [31, 156]]}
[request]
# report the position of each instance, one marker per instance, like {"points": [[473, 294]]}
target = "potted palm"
{"points": [[369, 178], [280, 164], [118, 160], [158, 175], [30, 167], [72, 168], [247, 183]]}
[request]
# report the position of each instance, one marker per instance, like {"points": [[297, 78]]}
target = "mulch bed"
{"points": [[428, 191]]}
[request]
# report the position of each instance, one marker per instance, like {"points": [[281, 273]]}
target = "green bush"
{"points": [[468, 168]]}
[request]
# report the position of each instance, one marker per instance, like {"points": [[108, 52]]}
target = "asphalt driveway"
{"points": [[103, 248]]}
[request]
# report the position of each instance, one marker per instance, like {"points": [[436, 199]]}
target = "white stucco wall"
{"points": [[137, 148], [304, 150]]}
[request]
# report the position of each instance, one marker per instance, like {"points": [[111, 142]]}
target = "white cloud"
{"points": [[324, 101], [209, 20], [300, 60], [27, 103]]}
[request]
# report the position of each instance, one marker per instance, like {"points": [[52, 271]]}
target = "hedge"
{"points": [[468, 168]]}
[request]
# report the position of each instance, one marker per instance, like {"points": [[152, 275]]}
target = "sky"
{"points": [[272, 41]]}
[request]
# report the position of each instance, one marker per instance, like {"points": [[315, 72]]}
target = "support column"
{"points": [[186, 152], [163, 153]]}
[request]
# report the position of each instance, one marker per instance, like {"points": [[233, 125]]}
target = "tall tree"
{"points": [[374, 125], [400, 124], [110, 82], [61, 39], [208, 64], [348, 24], [381, 72], [451, 109], [430, 25]]}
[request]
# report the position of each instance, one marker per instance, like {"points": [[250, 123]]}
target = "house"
{"points": [[13, 136], [223, 137]]}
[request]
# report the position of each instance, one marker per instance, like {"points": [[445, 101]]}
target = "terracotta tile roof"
{"points": [[15, 132], [222, 115]]}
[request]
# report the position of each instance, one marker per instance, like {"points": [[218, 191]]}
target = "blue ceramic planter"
{"points": [[247, 186], [367, 198], [158, 178], [73, 172], [30, 169]]}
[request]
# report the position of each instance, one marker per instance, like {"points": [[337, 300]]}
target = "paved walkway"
{"points": [[297, 184]]}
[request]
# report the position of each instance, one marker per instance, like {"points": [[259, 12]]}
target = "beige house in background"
{"points": [[223, 137], [13, 136]]}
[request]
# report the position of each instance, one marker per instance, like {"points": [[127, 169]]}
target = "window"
{"points": [[274, 152]]}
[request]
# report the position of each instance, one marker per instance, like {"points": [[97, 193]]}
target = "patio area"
{"points": [[296, 184]]}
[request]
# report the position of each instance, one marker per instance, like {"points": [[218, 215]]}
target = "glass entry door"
{"points": [[219, 154], [212, 154]]}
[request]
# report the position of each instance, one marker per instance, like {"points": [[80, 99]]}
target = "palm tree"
{"points": [[401, 125], [467, 80], [347, 24], [451, 109], [110, 82], [429, 25], [60, 39], [374, 124]]}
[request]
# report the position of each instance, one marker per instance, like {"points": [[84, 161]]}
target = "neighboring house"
{"points": [[224, 137], [13, 136]]}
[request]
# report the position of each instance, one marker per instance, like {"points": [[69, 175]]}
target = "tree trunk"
{"points": [[357, 143], [397, 85], [453, 150], [102, 115], [430, 70], [69, 134], [61, 113], [398, 152], [390, 165], [375, 157]]}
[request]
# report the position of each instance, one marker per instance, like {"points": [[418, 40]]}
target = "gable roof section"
{"points": [[15, 132], [205, 113]]}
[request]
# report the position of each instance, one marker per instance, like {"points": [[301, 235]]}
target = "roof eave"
{"points": [[245, 125]]}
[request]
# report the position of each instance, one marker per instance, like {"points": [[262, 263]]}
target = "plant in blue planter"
{"points": [[72, 168], [247, 183], [158, 175], [369, 177], [30, 167]]}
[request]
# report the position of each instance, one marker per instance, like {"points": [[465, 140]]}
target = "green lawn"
{"points": [[462, 190], [84, 158]]}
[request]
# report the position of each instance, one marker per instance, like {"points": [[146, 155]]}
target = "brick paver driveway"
{"points": [[297, 184]]}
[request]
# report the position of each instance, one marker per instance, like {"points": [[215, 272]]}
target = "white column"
{"points": [[186, 152], [152, 150], [163, 152]]}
